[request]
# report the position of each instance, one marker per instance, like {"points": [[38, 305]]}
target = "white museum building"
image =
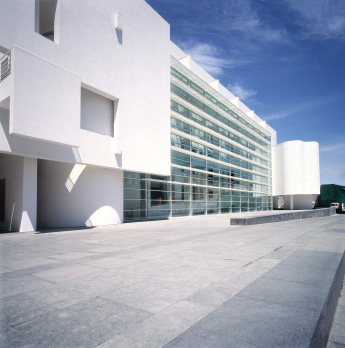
{"points": [[104, 120]]}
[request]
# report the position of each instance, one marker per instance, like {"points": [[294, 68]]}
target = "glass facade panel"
{"points": [[134, 204], [158, 213], [180, 76], [197, 88], [198, 148], [180, 192], [180, 142], [225, 170], [212, 167], [225, 207], [212, 153], [158, 190], [198, 193], [197, 118], [224, 182], [180, 212], [130, 215], [130, 193], [198, 133], [225, 195], [180, 175], [134, 183], [180, 158], [198, 163], [198, 178], [198, 208], [212, 180], [180, 125], [179, 205]]}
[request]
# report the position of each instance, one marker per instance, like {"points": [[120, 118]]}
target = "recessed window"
{"points": [[97, 113], [45, 18]]}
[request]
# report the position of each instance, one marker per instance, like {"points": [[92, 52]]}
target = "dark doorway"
{"points": [[2, 199]]}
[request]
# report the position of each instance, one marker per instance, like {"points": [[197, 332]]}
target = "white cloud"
{"points": [[339, 147], [241, 17], [320, 19], [297, 109], [238, 24], [240, 91], [289, 111], [209, 57]]}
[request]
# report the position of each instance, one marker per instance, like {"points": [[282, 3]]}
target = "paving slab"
{"points": [[253, 322], [18, 309], [289, 293], [23, 283], [85, 324], [152, 295], [11, 337], [121, 341], [62, 274]]}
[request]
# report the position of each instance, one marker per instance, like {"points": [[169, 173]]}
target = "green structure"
{"points": [[331, 194]]}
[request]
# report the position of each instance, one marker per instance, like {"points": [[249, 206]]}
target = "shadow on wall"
{"points": [[119, 35], [78, 196]]}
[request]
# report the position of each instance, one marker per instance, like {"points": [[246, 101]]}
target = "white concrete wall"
{"points": [[131, 66], [45, 103], [295, 168], [77, 195], [20, 193]]}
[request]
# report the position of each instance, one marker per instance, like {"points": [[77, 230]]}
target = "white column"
{"points": [[29, 199]]}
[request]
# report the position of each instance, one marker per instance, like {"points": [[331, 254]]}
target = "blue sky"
{"points": [[284, 58]]}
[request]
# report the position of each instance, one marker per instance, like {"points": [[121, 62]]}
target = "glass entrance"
{"points": [[146, 196]]}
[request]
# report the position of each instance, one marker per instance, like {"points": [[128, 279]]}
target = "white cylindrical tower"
{"points": [[296, 173]]}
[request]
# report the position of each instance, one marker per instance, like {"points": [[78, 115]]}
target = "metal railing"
{"points": [[5, 65]]}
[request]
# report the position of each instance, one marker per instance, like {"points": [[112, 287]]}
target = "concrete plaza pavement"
{"points": [[188, 282]]}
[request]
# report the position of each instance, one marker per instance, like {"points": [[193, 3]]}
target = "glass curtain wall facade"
{"points": [[220, 160]]}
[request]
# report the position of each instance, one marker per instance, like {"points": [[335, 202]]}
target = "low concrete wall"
{"points": [[265, 219]]}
